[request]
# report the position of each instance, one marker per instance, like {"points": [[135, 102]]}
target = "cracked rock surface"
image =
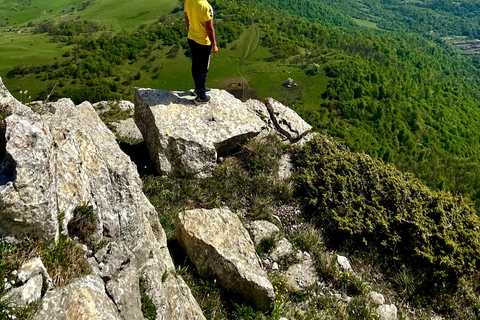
{"points": [[68, 158], [220, 247]]}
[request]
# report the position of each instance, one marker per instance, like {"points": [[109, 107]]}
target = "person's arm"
{"points": [[211, 35], [188, 21]]}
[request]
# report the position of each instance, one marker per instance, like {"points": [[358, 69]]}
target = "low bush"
{"points": [[364, 204]]}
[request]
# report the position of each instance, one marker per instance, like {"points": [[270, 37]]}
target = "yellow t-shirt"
{"points": [[198, 12]]}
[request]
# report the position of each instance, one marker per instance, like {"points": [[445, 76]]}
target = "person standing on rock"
{"points": [[201, 39]]}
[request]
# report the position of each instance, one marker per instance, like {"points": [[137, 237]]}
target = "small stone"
{"points": [[282, 249], [343, 263], [275, 266], [262, 229], [302, 275], [32, 268], [387, 312], [26, 294], [128, 129], [285, 167], [377, 297]]}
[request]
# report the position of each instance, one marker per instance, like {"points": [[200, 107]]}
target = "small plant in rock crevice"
{"points": [[83, 225], [148, 308], [266, 245]]}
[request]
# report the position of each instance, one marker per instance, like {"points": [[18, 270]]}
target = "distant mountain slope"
{"points": [[119, 14], [428, 17]]}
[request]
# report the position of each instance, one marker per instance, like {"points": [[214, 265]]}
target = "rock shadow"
{"points": [[155, 97], [139, 155], [8, 166]]}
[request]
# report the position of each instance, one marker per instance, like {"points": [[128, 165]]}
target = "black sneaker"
{"points": [[193, 92], [199, 100]]}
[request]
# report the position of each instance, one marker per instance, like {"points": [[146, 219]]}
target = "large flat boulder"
{"points": [[185, 139], [221, 248]]}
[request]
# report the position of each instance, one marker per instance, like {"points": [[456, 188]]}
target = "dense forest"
{"points": [[404, 97]]}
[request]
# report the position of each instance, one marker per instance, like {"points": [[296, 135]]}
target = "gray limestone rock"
{"points": [[128, 129], [261, 229], [220, 247], [285, 169], [387, 312], [26, 294], [125, 292], [27, 180], [69, 158], [287, 121], [282, 249], [31, 268], [179, 303], [183, 138], [376, 297], [302, 275], [83, 299], [344, 264]]}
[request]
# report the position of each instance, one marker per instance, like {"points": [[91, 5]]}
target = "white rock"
{"points": [[261, 229], [282, 249], [83, 299], [286, 167], [377, 297], [70, 158], [387, 312], [343, 263], [32, 268], [26, 294], [275, 266], [302, 275], [183, 138]]}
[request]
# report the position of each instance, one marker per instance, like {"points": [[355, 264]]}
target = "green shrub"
{"points": [[364, 204], [266, 245]]}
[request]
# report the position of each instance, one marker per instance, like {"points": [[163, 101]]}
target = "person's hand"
{"points": [[214, 49]]}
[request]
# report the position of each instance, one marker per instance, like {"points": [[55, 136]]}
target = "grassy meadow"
{"points": [[243, 61]]}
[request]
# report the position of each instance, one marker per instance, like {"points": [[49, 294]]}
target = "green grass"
{"points": [[28, 49], [366, 23], [117, 14], [243, 61]]}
